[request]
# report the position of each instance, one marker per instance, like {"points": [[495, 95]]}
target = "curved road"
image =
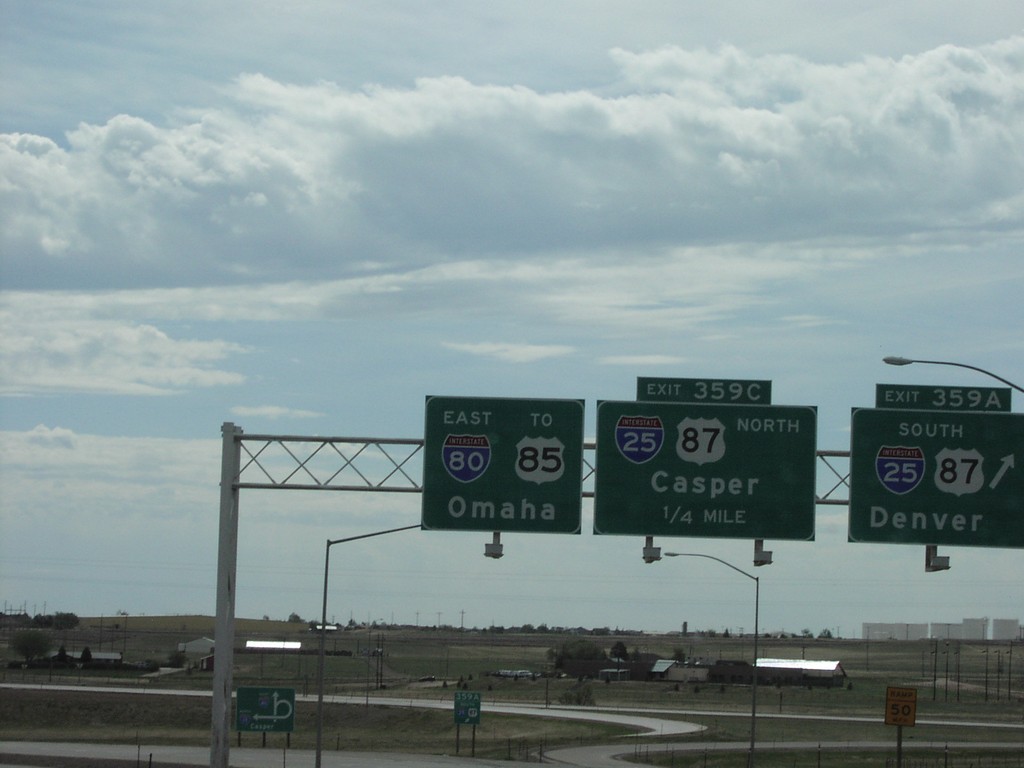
{"points": [[655, 722], [608, 757]]}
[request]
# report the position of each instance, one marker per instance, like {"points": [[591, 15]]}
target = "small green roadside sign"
{"points": [[467, 708], [503, 464], [721, 471], [265, 709], [937, 477]]}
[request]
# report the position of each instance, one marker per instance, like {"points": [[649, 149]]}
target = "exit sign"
{"points": [[731, 391], [467, 708], [928, 398]]}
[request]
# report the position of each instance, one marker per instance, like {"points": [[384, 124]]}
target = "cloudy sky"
{"points": [[304, 218]]}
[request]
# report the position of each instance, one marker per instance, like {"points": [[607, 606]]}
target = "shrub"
{"points": [[31, 644], [578, 696], [177, 660]]}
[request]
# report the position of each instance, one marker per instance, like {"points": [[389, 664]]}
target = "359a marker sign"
{"points": [[503, 464]]}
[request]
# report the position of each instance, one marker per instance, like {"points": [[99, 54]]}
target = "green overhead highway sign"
{"points": [[503, 464], [937, 477], [265, 709], [726, 471]]}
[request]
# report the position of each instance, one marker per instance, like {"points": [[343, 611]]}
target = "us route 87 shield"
{"points": [[959, 471], [701, 441], [466, 457]]}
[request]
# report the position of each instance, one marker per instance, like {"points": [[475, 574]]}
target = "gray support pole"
{"points": [[753, 687], [224, 628], [320, 664]]}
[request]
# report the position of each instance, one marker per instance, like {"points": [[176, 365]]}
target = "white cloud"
{"points": [[382, 211], [510, 352], [45, 351], [672, 305], [712, 146], [273, 412], [642, 360]]}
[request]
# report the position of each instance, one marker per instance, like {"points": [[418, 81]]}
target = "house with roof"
{"points": [[823, 674], [801, 672], [201, 646]]}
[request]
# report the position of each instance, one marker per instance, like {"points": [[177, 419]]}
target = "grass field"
{"points": [[968, 693]]}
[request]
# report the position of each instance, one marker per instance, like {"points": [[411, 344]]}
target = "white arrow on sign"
{"points": [[1008, 463], [277, 705]]}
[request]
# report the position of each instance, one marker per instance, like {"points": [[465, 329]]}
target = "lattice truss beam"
{"points": [[396, 465]]}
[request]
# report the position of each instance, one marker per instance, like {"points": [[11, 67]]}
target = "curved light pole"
{"points": [[907, 361], [757, 609], [323, 633]]}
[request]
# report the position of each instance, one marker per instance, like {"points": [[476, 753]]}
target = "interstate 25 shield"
{"points": [[900, 468], [639, 438]]}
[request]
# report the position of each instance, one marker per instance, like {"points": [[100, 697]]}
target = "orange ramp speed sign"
{"points": [[900, 706]]}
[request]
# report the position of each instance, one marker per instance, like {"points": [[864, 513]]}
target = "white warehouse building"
{"points": [[967, 629], [1006, 629]]}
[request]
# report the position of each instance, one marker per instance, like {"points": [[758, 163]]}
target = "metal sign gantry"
{"points": [[391, 465], [360, 464]]}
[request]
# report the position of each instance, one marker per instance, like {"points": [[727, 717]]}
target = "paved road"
{"points": [[240, 758], [607, 757], [653, 722], [650, 722], [582, 757]]}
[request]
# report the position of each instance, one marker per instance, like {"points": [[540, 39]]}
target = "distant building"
{"points": [[827, 674], [947, 631], [201, 645], [975, 629], [966, 629], [674, 671], [823, 674], [686, 673], [889, 631], [1006, 629], [264, 646]]}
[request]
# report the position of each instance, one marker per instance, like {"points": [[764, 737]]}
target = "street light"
{"points": [[907, 361], [757, 610], [323, 633]]}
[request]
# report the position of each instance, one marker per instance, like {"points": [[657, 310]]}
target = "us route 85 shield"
{"points": [[466, 457], [540, 459]]}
